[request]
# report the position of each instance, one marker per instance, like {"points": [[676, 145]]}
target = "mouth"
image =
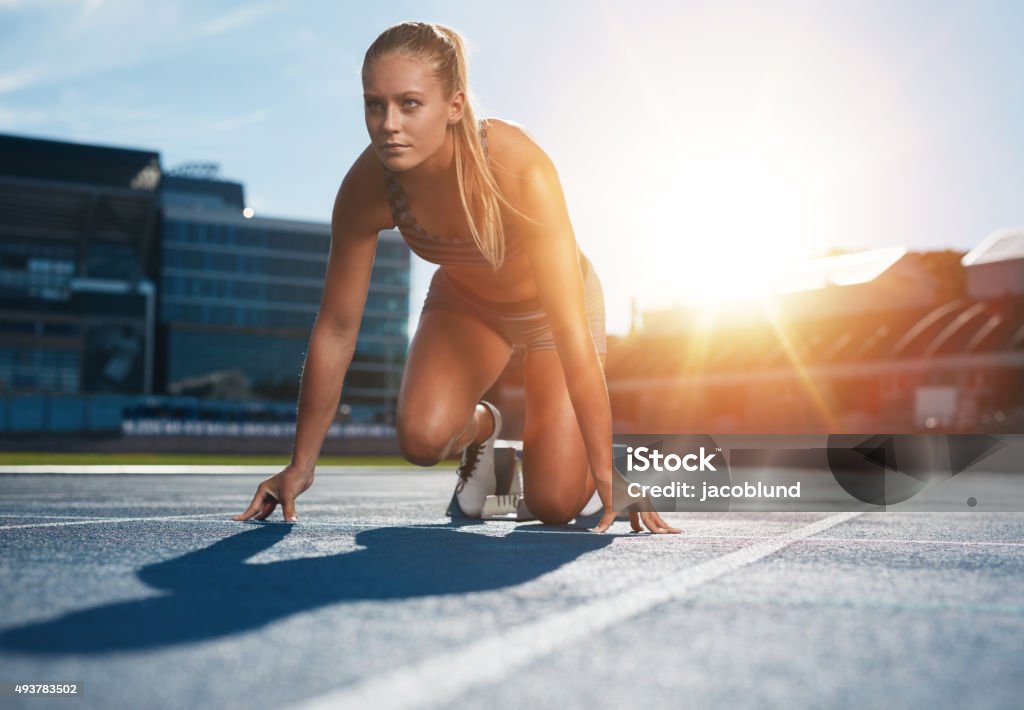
{"points": [[394, 146]]}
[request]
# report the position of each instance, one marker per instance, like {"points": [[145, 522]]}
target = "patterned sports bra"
{"points": [[457, 252]]}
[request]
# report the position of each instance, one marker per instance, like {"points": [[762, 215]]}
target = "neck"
{"points": [[439, 166]]}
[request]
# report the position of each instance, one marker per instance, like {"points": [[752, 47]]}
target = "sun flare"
{"points": [[738, 163], [739, 219]]}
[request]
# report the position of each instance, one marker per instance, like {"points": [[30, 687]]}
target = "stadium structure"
{"points": [[879, 341]]}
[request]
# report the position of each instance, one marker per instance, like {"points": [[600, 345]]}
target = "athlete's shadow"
{"points": [[213, 592]]}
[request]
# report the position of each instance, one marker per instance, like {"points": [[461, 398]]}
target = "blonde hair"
{"points": [[443, 49]]}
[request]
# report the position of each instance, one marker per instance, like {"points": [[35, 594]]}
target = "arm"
{"points": [[332, 342], [551, 246]]}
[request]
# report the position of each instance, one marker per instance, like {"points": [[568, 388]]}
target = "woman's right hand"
{"points": [[614, 493], [282, 488]]}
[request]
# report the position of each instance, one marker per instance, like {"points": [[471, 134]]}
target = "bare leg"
{"points": [[556, 471], [453, 360], [480, 427]]}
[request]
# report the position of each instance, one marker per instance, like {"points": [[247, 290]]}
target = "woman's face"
{"points": [[407, 115]]}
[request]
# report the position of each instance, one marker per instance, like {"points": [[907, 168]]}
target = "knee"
{"points": [[421, 444], [552, 510]]}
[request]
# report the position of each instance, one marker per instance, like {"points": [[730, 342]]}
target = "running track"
{"points": [[142, 589]]}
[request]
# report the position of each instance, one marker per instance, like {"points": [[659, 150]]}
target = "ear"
{"points": [[456, 107]]}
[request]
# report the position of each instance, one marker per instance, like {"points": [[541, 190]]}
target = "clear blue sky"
{"points": [[689, 136]]}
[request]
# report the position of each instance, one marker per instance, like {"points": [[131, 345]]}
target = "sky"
{"points": [[698, 143]]}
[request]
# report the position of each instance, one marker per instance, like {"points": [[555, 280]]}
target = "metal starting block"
{"points": [[506, 507], [507, 503]]}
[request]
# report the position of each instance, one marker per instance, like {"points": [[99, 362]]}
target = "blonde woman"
{"points": [[483, 201]]}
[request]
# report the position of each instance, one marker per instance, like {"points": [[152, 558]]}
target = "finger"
{"points": [[253, 508], [654, 524], [606, 520], [651, 521], [288, 510], [666, 526], [660, 522], [634, 521], [267, 509], [267, 505]]}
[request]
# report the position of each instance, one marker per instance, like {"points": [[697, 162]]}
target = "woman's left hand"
{"points": [[616, 488]]}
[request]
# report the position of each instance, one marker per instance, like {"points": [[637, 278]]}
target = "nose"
{"points": [[391, 116]]}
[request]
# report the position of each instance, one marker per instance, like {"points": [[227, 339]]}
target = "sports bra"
{"points": [[436, 250]]}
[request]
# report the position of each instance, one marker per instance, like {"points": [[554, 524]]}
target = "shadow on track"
{"points": [[213, 593]]}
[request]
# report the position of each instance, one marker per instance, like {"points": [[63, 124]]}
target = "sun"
{"points": [[731, 157], [741, 217]]}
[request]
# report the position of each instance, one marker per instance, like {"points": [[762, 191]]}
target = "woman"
{"points": [[483, 201]]}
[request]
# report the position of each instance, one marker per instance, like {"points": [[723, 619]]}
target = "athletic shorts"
{"points": [[523, 324]]}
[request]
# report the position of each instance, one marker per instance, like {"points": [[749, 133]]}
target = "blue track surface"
{"points": [[142, 589]]}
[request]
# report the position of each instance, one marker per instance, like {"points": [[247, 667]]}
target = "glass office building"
{"points": [[78, 227], [239, 296], [119, 278]]}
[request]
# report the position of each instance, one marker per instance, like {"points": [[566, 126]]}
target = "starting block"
{"points": [[507, 503]]}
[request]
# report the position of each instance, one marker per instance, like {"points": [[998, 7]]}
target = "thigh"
{"points": [[536, 331], [454, 358], [556, 472]]}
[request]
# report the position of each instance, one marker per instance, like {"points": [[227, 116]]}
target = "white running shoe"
{"points": [[593, 505], [476, 471]]}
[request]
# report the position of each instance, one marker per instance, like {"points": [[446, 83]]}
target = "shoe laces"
{"points": [[469, 461]]}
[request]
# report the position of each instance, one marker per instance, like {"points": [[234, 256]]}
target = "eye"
{"points": [[410, 103], [373, 104]]}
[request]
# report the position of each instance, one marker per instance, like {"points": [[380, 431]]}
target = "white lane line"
{"points": [[169, 469], [58, 517], [97, 521], [433, 682], [882, 541], [967, 543], [686, 536]]}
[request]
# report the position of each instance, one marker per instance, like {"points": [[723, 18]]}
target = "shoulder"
{"points": [[362, 197], [515, 154]]}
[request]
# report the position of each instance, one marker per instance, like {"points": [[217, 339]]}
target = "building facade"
{"points": [[78, 264], [239, 296], [117, 278]]}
